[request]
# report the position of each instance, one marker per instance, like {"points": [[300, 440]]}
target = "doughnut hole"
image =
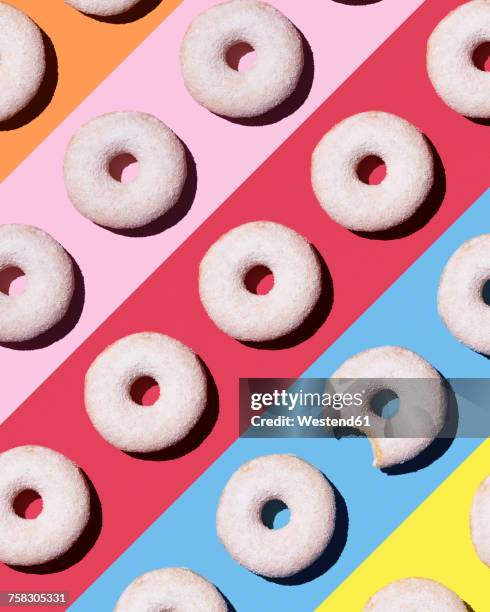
{"points": [[28, 504], [371, 170], [145, 391], [12, 281], [124, 168], [385, 403], [241, 57], [275, 514], [259, 280], [485, 292], [481, 57]]}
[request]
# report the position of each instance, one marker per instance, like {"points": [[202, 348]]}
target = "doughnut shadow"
{"points": [[44, 94], [439, 446], [197, 435], [357, 2], [424, 213], [331, 554], [176, 213], [291, 104], [80, 548], [140, 10], [229, 606], [312, 323], [63, 327]]}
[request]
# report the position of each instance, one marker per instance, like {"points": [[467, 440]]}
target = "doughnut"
{"points": [[120, 420], [23, 60], [450, 64], [66, 505], [103, 8], [480, 521], [50, 282], [283, 552], [460, 301], [423, 404], [240, 313], [214, 84], [415, 594], [109, 202], [369, 208], [171, 588]]}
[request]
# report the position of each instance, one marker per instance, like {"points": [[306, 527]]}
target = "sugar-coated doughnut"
{"points": [[239, 312], [50, 282], [103, 199], [460, 301], [422, 397], [171, 588], [213, 83], [65, 511], [103, 8], [450, 64], [23, 61], [276, 553], [480, 521], [357, 205], [415, 595], [120, 420]]}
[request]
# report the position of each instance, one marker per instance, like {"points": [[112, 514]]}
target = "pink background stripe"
{"points": [[341, 37]]}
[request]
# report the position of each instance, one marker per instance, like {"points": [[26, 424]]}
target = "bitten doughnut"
{"points": [[460, 300], [103, 8], [276, 553], [120, 420], [480, 521], [409, 171], [422, 396], [103, 199], [415, 594], [65, 511], [172, 588], [450, 64], [213, 83], [23, 60], [239, 312], [50, 282]]}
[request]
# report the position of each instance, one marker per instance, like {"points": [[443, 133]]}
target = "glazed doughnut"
{"points": [[103, 8], [105, 200], [66, 505], [415, 594], [121, 421], [23, 60], [172, 588], [359, 206], [460, 301], [239, 312], [50, 282], [480, 521], [276, 553], [423, 408], [228, 92], [450, 64]]}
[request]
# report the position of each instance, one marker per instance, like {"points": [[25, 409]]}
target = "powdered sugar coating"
{"points": [[360, 206], [225, 91], [463, 87], [124, 423], [23, 62], [50, 282], [66, 505], [480, 521], [103, 8], [161, 173], [239, 312], [171, 588], [280, 552], [460, 300], [413, 595]]}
